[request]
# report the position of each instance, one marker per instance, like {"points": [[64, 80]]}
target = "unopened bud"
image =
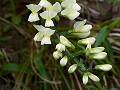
{"points": [[104, 67], [86, 41], [63, 61], [57, 54], [72, 68], [99, 56]]}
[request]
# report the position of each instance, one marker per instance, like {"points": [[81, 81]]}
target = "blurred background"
{"points": [[26, 65]]}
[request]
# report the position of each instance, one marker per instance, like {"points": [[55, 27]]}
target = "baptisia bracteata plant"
{"points": [[66, 50]]}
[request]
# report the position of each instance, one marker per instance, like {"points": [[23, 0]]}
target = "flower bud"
{"points": [[104, 67], [63, 61], [90, 40], [85, 78], [98, 56], [85, 28], [96, 50], [72, 68], [78, 25], [81, 35], [93, 77], [66, 42], [60, 47], [57, 54]]}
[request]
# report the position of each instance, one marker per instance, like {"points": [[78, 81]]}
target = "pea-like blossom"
{"points": [[57, 54], [60, 47], [34, 9], [48, 15], [43, 34], [70, 12]]}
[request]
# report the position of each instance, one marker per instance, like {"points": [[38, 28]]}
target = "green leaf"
{"points": [[111, 1], [14, 67], [16, 20], [109, 50], [102, 35], [113, 89], [5, 38]]}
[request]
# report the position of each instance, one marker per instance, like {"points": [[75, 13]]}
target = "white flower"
{"points": [[72, 68], [57, 54], [44, 3], [104, 67], [43, 34], [66, 42], [55, 8], [80, 30], [67, 3], [85, 78], [86, 41], [63, 61], [70, 12], [93, 77], [60, 47], [34, 15], [48, 15], [99, 56], [97, 50], [81, 35]]}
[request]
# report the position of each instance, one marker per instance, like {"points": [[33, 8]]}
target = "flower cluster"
{"points": [[69, 9]]}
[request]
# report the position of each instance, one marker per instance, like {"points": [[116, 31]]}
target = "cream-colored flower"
{"points": [[93, 77], [85, 78], [48, 15], [67, 3], [34, 9], [63, 61], [86, 41], [99, 56], [70, 12], [43, 34], [72, 68], [60, 47], [104, 67], [57, 54], [96, 50], [66, 42]]}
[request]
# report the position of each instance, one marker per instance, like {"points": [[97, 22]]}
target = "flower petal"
{"points": [[45, 14], [33, 7], [45, 40], [48, 32], [49, 23], [52, 14], [40, 28], [57, 7], [33, 17], [78, 25], [73, 15], [38, 37]]}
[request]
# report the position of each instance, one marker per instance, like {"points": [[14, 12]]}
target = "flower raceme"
{"points": [[34, 15], [43, 34]]}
